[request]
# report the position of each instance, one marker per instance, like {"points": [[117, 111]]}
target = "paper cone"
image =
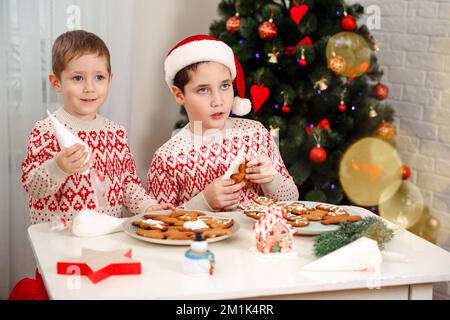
{"points": [[65, 138], [89, 223], [360, 255], [234, 166]]}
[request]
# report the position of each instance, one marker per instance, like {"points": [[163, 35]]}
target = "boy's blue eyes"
{"points": [[225, 86], [97, 77]]}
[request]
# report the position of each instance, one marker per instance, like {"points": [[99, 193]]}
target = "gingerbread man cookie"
{"points": [[240, 176]]}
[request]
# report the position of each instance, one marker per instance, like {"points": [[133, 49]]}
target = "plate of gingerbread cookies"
{"points": [[178, 227], [309, 218]]}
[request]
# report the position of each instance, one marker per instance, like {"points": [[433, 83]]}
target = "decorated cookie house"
{"points": [[273, 232]]}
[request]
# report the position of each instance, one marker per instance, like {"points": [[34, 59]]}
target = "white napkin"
{"points": [[360, 255], [65, 138], [90, 223]]}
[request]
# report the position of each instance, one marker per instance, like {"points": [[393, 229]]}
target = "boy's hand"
{"points": [[162, 206], [260, 170], [221, 194], [71, 160]]}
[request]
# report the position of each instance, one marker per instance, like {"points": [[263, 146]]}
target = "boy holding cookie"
{"points": [[188, 171], [53, 177]]}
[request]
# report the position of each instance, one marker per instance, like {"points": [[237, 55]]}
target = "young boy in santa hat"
{"points": [[188, 171]]}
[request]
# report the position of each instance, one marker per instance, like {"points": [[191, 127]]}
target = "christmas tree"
{"points": [[314, 79]]}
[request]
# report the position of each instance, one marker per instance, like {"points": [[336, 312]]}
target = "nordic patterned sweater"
{"points": [[184, 166], [54, 193]]}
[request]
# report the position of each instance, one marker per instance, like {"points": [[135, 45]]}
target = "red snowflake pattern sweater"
{"points": [[55, 193], [183, 167]]}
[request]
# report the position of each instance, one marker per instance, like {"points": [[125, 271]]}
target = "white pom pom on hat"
{"points": [[199, 48]]}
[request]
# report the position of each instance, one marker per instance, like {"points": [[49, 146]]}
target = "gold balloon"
{"points": [[367, 168], [354, 50], [403, 208]]}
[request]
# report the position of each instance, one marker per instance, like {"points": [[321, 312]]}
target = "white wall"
{"points": [[415, 55], [160, 25]]}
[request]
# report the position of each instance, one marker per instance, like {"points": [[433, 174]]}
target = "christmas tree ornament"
{"points": [[381, 91], [268, 30], [367, 168], [386, 130], [259, 94], [273, 57], [318, 154], [298, 12], [285, 108], [353, 49], [372, 112], [322, 84], [348, 22], [342, 107], [302, 61], [402, 205], [406, 172], [337, 64], [233, 23]]}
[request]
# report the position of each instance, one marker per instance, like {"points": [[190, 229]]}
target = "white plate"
{"points": [[130, 230], [315, 227]]}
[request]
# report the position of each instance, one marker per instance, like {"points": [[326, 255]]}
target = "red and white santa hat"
{"points": [[199, 48]]}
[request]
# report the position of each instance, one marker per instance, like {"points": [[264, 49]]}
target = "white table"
{"points": [[240, 273]]}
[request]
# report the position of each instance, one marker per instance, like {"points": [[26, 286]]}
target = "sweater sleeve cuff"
{"points": [[146, 204], [272, 187], [198, 203], [54, 171]]}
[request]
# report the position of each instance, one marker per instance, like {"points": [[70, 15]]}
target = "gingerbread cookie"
{"points": [[297, 220], [296, 208], [150, 224], [166, 219], [331, 210], [197, 225], [240, 176], [212, 233], [216, 222], [264, 201], [339, 219], [186, 215], [154, 234]]}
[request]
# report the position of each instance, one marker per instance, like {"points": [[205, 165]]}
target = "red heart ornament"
{"points": [[259, 94], [298, 12]]}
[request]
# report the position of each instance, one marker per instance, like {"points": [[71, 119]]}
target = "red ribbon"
{"points": [[323, 124], [306, 41]]}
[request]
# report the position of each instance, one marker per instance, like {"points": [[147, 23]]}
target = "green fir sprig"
{"points": [[370, 227]]}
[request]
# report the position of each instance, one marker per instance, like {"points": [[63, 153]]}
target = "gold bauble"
{"points": [[337, 64], [433, 224], [386, 130]]}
